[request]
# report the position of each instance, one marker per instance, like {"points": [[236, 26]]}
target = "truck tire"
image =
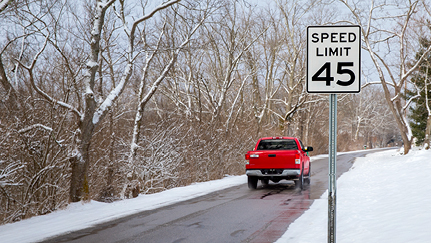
{"points": [[307, 180], [252, 182], [299, 184]]}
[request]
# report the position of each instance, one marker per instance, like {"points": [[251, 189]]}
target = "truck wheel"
{"points": [[308, 177], [299, 184], [252, 182]]}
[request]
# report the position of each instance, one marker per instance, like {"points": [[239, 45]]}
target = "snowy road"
{"points": [[236, 214]]}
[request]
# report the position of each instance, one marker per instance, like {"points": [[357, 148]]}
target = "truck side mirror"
{"points": [[308, 149]]}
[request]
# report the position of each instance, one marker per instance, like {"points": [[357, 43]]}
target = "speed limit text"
{"points": [[343, 37]]}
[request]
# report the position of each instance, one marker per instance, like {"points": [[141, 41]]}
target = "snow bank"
{"points": [[385, 197]]}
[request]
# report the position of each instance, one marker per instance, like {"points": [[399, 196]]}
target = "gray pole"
{"points": [[332, 190]]}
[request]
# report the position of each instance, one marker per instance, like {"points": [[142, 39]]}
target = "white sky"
{"points": [[386, 197]]}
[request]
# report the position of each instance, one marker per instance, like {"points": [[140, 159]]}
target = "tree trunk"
{"points": [[11, 97], [428, 133], [79, 182], [79, 189]]}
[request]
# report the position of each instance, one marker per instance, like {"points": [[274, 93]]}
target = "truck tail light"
{"points": [[248, 156], [297, 159]]}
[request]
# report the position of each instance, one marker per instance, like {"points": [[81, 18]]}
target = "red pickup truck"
{"points": [[278, 158]]}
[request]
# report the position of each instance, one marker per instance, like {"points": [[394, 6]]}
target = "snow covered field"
{"points": [[386, 197]]}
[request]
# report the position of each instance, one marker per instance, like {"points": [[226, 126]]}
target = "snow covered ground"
{"points": [[385, 197]]}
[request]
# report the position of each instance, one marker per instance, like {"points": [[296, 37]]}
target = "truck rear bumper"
{"points": [[285, 173]]}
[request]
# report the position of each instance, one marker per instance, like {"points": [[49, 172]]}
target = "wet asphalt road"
{"points": [[236, 214]]}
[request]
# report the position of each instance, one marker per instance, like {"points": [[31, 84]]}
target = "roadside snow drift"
{"points": [[385, 197]]}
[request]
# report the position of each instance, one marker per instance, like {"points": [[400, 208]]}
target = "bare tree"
{"points": [[211, 75], [174, 50], [33, 131], [92, 114], [228, 43], [388, 34], [280, 64], [366, 118]]}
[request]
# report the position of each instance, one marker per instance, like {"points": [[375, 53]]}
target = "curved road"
{"points": [[236, 214]]}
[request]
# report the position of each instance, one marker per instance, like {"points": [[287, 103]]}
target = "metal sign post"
{"points": [[332, 189], [333, 66]]}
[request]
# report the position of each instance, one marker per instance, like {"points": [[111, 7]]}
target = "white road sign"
{"points": [[334, 59]]}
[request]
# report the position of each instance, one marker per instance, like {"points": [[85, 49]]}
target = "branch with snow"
{"points": [[38, 90], [235, 101], [24, 130], [7, 173], [118, 90], [4, 4]]}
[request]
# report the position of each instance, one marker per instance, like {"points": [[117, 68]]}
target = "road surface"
{"points": [[236, 214]]}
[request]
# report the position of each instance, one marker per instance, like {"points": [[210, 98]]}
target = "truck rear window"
{"points": [[277, 144]]}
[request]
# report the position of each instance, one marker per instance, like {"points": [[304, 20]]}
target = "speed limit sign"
{"points": [[333, 59]]}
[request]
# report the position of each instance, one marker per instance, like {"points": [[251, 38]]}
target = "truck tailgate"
{"points": [[273, 159]]}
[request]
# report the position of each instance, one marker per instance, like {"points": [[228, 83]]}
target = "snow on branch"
{"points": [[24, 130], [157, 9], [9, 171], [3, 4], [165, 71], [105, 5], [113, 96], [118, 90], [410, 101], [418, 62], [38, 90]]}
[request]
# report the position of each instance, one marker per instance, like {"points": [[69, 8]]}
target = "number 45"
{"points": [[340, 70]]}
